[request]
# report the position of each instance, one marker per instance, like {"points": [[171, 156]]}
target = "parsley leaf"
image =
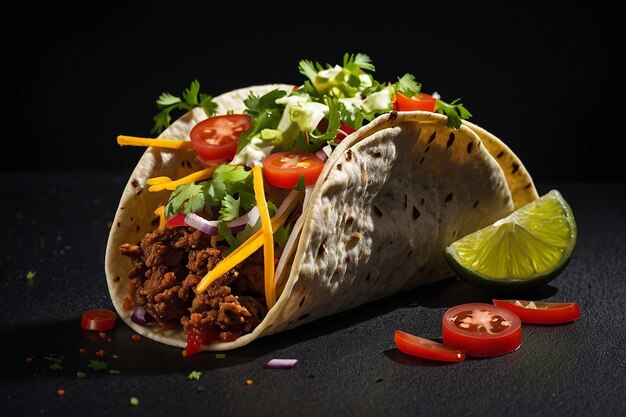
{"points": [[455, 112], [194, 375], [191, 97]]}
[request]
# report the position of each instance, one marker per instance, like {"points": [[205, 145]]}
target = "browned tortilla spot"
{"points": [[406, 201], [451, 139], [500, 154], [416, 213], [135, 183], [469, 147], [393, 115], [378, 212], [515, 168], [348, 155], [475, 204], [448, 198], [339, 167], [302, 301], [432, 137]]}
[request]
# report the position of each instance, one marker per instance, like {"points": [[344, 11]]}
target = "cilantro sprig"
{"points": [[454, 110], [191, 98]]}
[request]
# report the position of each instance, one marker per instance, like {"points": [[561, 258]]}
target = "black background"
{"points": [[543, 77]]}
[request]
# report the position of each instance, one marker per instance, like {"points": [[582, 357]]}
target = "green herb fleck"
{"points": [[220, 355], [80, 374], [56, 361], [114, 371], [194, 375], [56, 366], [134, 401], [30, 275], [97, 365], [300, 185]]}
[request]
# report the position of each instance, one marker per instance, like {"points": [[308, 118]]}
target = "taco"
{"points": [[363, 198]]}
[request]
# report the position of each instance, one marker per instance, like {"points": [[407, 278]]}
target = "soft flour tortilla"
{"points": [[391, 197]]}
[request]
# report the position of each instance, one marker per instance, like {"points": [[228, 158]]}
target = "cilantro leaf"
{"points": [[455, 112], [97, 365], [194, 375], [281, 235], [357, 62], [408, 86], [300, 184], [265, 113], [187, 198], [230, 208], [191, 97], [225, 234]]}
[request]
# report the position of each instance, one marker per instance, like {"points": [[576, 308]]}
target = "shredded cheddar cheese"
{"points": [[160, 211], [165, 183], [268, 236], [123, 140]]}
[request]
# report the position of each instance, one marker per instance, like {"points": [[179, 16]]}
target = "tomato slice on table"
{"points": [[283, 169], [215, 139], [540, 312], [420, 101], [426, 348], [481, 329], [99, 319]]}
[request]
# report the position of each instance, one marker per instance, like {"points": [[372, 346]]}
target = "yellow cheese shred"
{"points": [[160, 211], [166, 183], [268, 236], [123, 140], [246, 249]]}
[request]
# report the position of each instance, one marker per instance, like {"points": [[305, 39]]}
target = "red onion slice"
{"points": [[282, 363], [210, 226], [141, 316]]}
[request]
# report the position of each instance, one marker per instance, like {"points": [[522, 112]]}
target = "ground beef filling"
{"points": [[170, 262]]}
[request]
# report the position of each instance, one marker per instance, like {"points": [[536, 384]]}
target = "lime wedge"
{"points": [[524, 250]]}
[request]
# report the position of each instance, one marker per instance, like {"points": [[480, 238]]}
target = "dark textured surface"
{"points": [[56, 223]]}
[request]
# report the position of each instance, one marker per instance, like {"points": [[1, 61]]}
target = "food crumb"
{"points": [[28, 360], [134, 401], [61, 392], [101, 353], [102, 335], [249, 382], [136, 338], [82, 350]]}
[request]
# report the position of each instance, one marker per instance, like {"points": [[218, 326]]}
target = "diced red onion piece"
{"points": [[141, 316], [321, 155], [282, 363]]}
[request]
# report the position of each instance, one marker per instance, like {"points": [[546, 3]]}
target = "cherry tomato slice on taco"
{"points": [[426, 348], [540, 312], [215, 139], [481, 330], [420, 101], [283, 169]]}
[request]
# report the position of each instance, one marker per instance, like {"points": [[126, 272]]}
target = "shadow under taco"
{"points": [[390, 197]]}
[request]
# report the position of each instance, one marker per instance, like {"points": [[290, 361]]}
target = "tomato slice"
{"points": [[540, 312], [481, 329], [421, 101], [99, 319], [426, 348], [176, 220], [215, 139], [344, 130], [283, 169]]}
